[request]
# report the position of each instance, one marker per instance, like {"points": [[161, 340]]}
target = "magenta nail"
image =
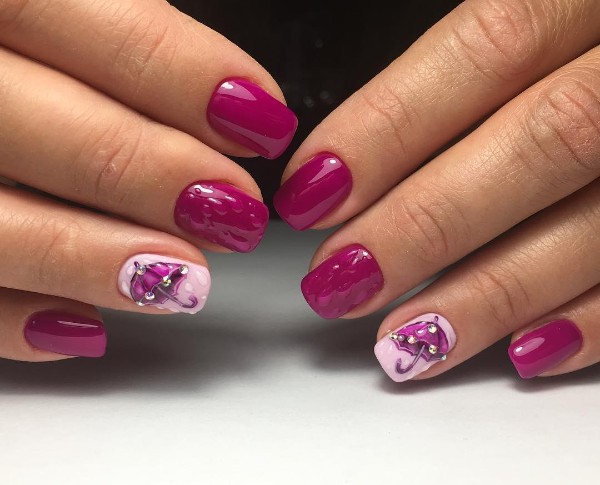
{"points": [[248, 115], [342, 282], [66, 334], [545, 348], [316, 188], [222, 214]]}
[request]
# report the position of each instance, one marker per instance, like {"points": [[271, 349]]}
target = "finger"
{"points": [[565, 340], [481, 55], [539, 266], [539, 148], [53, 249], [160, 62], [40, 328], [120, 162]]}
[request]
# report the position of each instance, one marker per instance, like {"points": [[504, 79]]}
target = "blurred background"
{"points": [[318, 52]]}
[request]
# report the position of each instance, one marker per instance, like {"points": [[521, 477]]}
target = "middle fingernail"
{"points": [[222, 214], [165, 282], [316, 189], [342, 282]]}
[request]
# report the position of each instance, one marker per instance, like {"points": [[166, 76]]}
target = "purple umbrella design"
{"points": [[156, 283], [422, 340]]}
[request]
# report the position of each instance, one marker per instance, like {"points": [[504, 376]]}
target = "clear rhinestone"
{"points": [[444, 357], [433, 349], [166, 281], [141, 270], [432, 327], [183, 269], [412, 339], [402, 338], [149, 296], [140, 303], [394, 336]]}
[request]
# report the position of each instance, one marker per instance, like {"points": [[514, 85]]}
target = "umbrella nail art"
{"points": [[166, 283], [415, 346]]}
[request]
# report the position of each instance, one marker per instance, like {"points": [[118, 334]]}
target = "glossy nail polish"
{"points": [[316, 188], [222, 214], [342, 282], [545, 348], [415, 346], [245, 113], [66, 334], [165, 282]]}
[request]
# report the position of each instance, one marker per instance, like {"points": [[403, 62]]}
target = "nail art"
{"points": [[545, 348], [222, 214], [415, 346], [166, 283], [315, 190], [342, 282], [66, 334], [245, 113]]}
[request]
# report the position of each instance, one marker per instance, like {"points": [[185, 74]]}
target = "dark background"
{"points": [[318, 52]]}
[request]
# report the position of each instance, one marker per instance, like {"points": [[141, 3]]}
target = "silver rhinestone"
{"points": [[394, 336], [183, 269], [433, 349], [444, 357], [149, 296], [141, 270], [412, 339], [401, 337], [140, 303], [432, 327], [166, 281]]}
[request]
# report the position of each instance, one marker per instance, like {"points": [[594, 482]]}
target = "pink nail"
{"points": [[415, 346], [245, 113], [222, 214], [316, 189], [165, 282], [66, 334], [545, 348], [342, 282]]}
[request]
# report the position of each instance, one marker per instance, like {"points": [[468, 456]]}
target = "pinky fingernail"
{"points": [[545, 347], [415, 346], [66, 334]]}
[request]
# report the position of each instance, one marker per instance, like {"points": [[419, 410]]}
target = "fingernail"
{"points": [[415, 346], [342, 282], [544, 348], [66, 334], [166, 283], [222, 214], [317, 188], [248, 115]]}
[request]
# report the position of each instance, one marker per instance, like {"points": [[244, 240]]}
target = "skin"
{"points": [[103, 104], [523, 183]]}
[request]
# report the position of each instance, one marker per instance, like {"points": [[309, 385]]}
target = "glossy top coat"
{"points": [[315, 190], [245, 113]]}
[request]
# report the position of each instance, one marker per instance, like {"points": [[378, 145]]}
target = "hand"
{"points": [[518, 198], [121, 106]]}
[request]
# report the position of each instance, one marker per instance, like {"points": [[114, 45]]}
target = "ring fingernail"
{"points": [[415, 346], [544, 348], [164, 282], [66, 334], [245, 113], [316, 189], [342, 282], [222, 214]]}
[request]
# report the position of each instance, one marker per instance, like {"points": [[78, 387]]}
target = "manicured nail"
{"points": [[317, 188], [166, 283], [342, 282], [544, 348], [248, 115], [66, 334], [415, 346], [222, 214]]}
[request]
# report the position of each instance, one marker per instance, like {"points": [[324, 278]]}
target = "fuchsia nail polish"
{"points": [[342, 282], [66, 334], [222, 214], [245, 113], [545, 348], [317, 188]]}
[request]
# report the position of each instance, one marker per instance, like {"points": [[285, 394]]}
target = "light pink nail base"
{"points": [[415, 346]]}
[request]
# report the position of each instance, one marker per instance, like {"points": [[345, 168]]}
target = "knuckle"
{"points": [[503, 295], [430, 224], [503, 38], [103, 167]]}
